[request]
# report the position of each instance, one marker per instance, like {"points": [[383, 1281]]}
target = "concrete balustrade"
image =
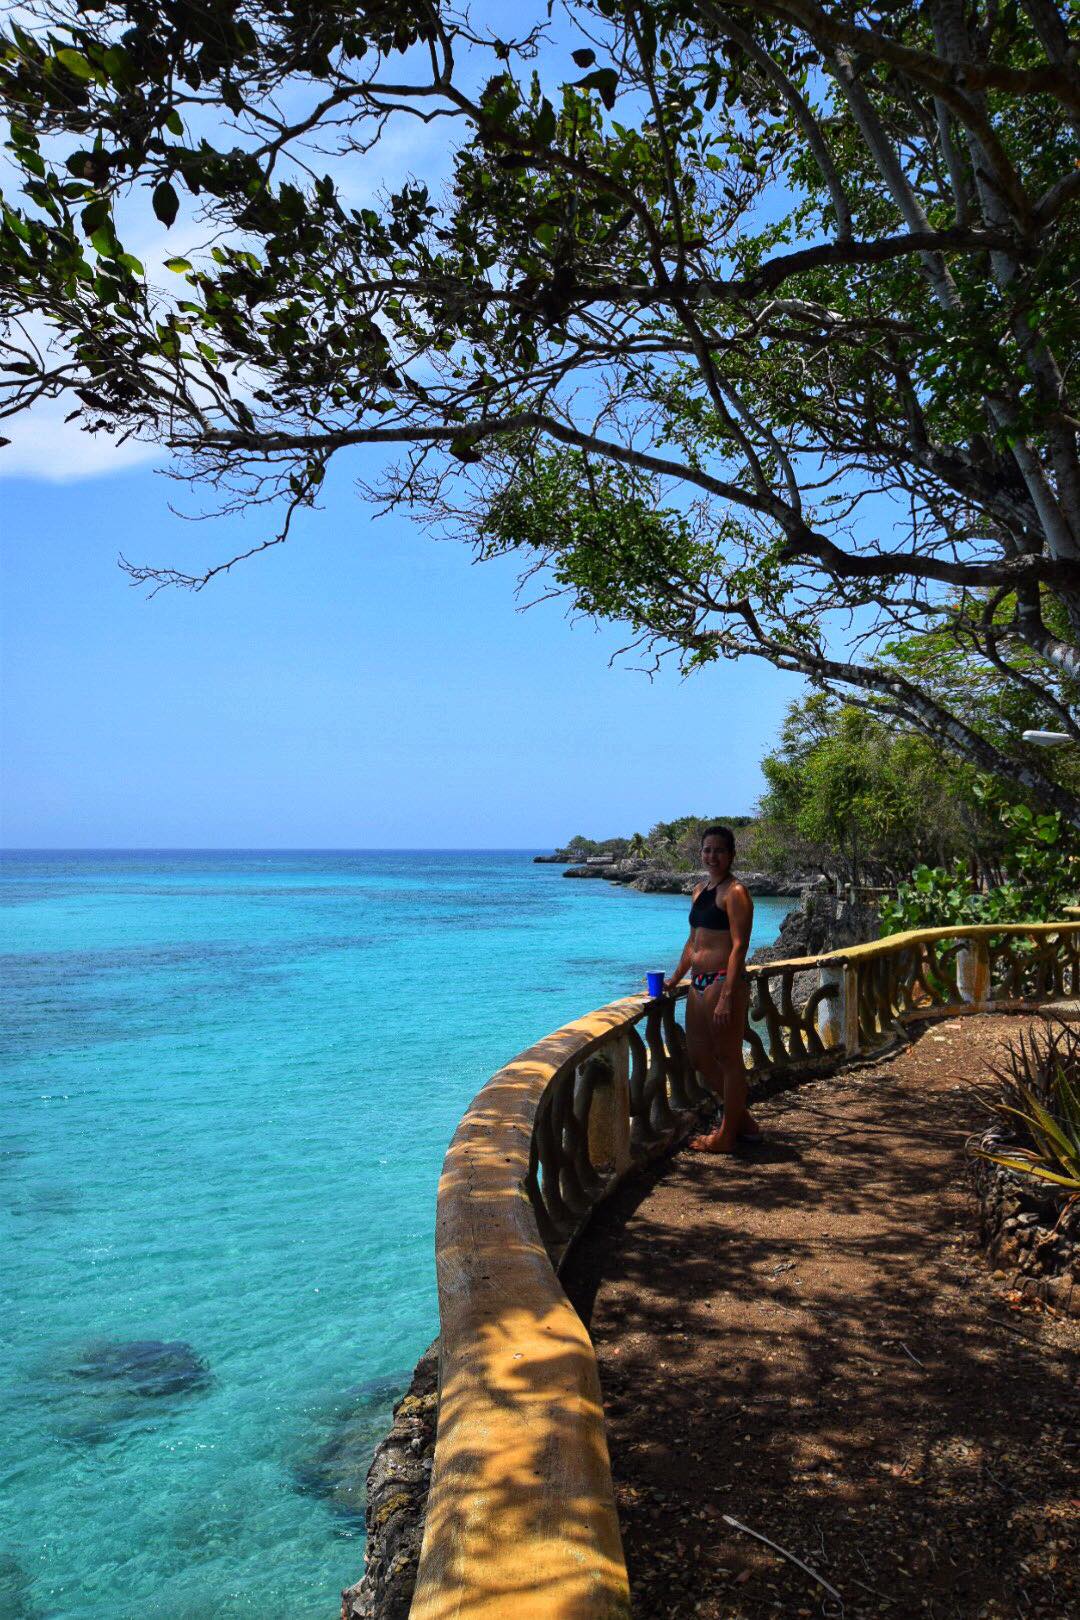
{"points": [[521, 1518]]}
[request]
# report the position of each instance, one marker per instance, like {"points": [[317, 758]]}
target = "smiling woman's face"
{"points": [[715, 855]]}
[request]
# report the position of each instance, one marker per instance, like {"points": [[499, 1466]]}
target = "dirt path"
{"points": [[809, 1340]]}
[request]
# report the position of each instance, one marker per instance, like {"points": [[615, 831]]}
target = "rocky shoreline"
{"points": [[397, 1490], [648, 878]]}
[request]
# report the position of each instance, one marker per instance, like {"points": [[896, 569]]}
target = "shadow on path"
{"points": [[807, 1338]]}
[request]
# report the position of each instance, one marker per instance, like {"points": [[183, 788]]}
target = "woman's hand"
{"points": [[722, 1011]]}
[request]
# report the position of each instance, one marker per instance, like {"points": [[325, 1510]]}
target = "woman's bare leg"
{"points": [[726, 1072], [700, 1045]]}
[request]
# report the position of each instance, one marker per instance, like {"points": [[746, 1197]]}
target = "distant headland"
{"points": [[666, 860]]}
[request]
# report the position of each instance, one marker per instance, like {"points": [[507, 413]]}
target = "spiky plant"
{"points": [[1039, 1101]]}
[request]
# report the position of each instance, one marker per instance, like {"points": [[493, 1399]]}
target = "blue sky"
{"points": [[364, 686]]}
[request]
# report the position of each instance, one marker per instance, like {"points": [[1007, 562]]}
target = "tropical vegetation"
{"points": [[876, 805], [1038, 1102], [674, 845]]}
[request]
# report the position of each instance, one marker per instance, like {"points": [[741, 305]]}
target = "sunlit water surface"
{"points": [[230, 1082]]}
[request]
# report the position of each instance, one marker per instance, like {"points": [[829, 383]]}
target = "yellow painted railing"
{"points": [[521, 1517]]}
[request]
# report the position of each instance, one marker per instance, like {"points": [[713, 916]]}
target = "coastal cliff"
{"points": [[820, 922], [397, 1489]]}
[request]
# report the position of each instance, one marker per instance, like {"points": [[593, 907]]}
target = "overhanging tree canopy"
{"points": [[751, 317]]}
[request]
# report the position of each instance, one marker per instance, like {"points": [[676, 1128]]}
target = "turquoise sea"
{"points": [[230, 1079]]}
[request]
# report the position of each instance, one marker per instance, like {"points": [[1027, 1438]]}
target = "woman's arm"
{"points": [[687, 950], [684, 963], [740, 910]]}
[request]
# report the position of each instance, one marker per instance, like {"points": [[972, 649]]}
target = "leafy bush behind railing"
{"points": [[1043, 878]]}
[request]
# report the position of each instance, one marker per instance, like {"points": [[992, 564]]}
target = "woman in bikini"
{"points": [[721, 917]]}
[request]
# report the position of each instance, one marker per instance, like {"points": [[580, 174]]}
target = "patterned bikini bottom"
{"points": [[702, 981]]}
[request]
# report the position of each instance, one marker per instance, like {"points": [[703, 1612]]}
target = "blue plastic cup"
{"points": [[656, 985]]}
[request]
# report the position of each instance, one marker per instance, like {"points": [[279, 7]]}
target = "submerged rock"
{"points": [[15, 1600], [336, 1471], [98, 1387], [149, 1368]]}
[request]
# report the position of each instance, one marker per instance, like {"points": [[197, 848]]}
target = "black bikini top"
{"points": [[705, 913]]}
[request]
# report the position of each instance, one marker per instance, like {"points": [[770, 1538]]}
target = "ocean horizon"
{"points": [[231, 1077]]}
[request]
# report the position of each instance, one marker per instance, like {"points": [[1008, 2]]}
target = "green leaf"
{"points": [[116, 62], [1049, 1129], [546, 125], [166, 203], [605, 80], [1028, 1167], [463, 448], [94, 216], [179, 265], [76, 64], [174, 123]]}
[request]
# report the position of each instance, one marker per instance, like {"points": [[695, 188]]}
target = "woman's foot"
{"points": [[718, 1141], [750, 1130]]}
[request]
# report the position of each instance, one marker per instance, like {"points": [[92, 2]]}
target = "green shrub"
{"points": [[1042, 875], [1038, 1100]]}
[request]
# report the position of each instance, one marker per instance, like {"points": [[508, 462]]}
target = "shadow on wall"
{"points": [[521, 1516]]}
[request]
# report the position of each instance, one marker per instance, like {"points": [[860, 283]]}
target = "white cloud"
{"points": [[44, 446]]}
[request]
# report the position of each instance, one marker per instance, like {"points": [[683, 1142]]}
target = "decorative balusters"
{"points": [[550, 1235], [684, 1089], [768, 1012], [639, 1102], [621, 1104], [872, 977], [973, 972], [940, 971], [759, 993], [628, 1096], [792, 1034], [1067, 980], [606, 1139], [798, 1034], [557, 1217], [584, 1174], [1045, 966], [661, 1117]]}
